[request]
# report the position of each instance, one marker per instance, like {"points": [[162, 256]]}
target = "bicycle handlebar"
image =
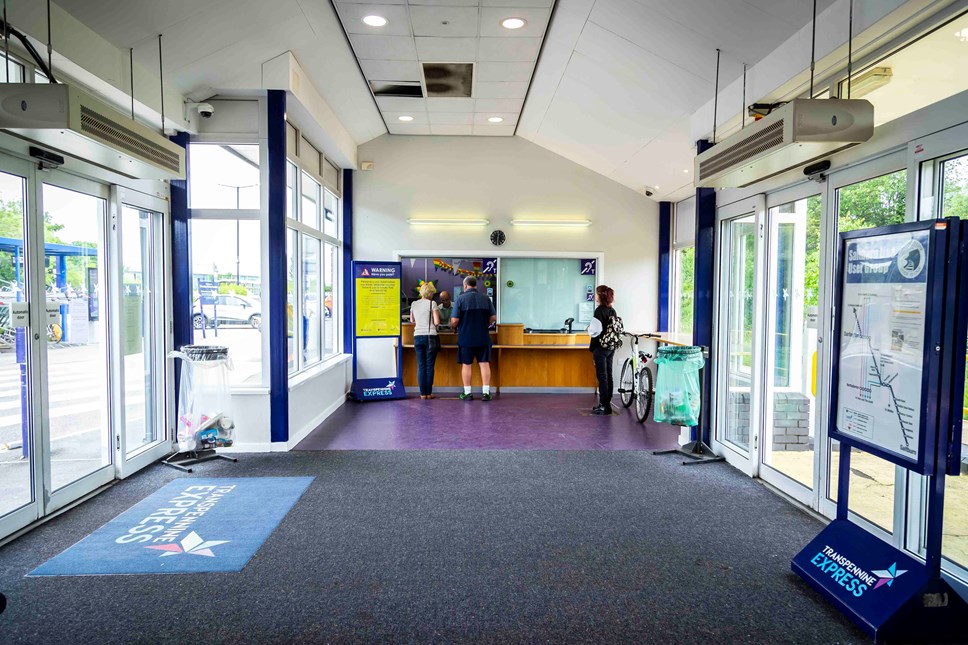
{"points": [[645, 335]]}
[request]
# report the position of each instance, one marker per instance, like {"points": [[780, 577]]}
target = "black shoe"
{"points": [[599, 411], [486, 396]]}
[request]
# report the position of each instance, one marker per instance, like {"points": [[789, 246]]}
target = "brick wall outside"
{"points": [[791, 420]]}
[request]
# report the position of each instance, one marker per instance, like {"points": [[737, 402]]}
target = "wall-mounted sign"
{"points": [[588, 267], [489, 266]]}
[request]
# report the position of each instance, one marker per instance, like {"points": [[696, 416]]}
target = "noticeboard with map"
{"points": [[882, 334]]}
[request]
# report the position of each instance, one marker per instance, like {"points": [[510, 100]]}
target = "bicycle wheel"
{"points": [[643, 398], [626, 383]]}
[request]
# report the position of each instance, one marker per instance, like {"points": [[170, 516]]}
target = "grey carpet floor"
{"points": [[437, 547]]}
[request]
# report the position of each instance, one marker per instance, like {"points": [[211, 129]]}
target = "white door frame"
{"points": [[735, 456], [159, 263]]}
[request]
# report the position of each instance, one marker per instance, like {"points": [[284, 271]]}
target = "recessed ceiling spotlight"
{"points": [[686, 170], [405, 118], [494, 119], [513, 23], [375, 21]]}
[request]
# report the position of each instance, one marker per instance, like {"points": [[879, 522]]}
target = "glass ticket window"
{"points": [[448, 275], [543, 293]]}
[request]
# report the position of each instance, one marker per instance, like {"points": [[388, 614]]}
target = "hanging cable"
{"points": [[131, 73], [742, 114], [161, 80], [813, 48], [50, 50], [716, 97], [850, 47], [31, 50]]}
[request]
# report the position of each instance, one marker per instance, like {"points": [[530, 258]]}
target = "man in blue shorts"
{"points": [[472, 317]]}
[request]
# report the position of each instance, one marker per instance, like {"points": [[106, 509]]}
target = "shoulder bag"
{"points": [[433, 340]]}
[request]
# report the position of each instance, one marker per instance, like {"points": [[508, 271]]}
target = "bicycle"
{"points": [[636, 381]]}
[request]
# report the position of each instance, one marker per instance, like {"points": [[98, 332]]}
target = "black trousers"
{"points": [[603, 370]]}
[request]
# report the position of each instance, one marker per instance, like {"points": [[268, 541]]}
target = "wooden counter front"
{"points": [[532, 366]]}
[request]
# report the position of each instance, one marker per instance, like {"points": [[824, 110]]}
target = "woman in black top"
{"points": [[604, 296]]}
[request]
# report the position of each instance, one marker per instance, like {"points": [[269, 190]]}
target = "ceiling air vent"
{"points": [[404, 89], [449, 79]]}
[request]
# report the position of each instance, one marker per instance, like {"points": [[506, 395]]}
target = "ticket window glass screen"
{"points": [[446, 274], [544, 293]]}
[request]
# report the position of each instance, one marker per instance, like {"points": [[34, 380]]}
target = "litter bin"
{"points": [[204, 399], [677, 390]]}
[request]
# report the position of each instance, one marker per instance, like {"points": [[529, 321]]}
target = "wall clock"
{"points": [[498, 238]]}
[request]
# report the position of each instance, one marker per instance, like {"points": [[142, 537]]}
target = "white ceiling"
{"points": [[618, 79], [449, 31], [613, 91]]}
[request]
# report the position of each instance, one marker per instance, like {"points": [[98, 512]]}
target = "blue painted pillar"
{"points": [[181, 261], [276, 248], [665, 262], [705, 272], [348, 282]]}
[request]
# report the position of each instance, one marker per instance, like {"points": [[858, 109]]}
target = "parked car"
{"points": [[231, 310]]}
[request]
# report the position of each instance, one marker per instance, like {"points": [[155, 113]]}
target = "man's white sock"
{"points": [[467, 389], [487, 389]]}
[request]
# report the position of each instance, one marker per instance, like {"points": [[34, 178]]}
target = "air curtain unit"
{"points": [[793, 135], [65, 119]]}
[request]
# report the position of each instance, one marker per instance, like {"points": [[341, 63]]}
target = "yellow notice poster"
{"points": [[377, 306]]}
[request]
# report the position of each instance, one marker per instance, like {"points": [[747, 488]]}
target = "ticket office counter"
{"points": [[532, 361]]}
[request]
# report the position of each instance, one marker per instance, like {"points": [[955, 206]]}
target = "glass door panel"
{"points": [[138, 346], [740, 287], [79, 439], [872, 202], [16, 454], [789, 433]]}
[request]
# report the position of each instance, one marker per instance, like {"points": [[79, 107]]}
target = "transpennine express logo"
{"points": [[169, 529], [850, 576], [387, 390], [193, 544]]}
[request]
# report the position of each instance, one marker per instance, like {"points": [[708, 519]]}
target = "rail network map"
{"points": [[882, 335]]}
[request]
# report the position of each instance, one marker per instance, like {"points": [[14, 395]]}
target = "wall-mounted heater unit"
{"points": [[795, 134], [67, 120]]}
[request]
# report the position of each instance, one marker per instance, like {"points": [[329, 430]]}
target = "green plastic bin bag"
{"points": [[678, 397]]}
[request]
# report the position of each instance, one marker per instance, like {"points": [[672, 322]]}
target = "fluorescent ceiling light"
{"points": [[513, 23], [563, 223], [440, 221], [375, 21], [869, 81], [405, 118], [494, 119]]}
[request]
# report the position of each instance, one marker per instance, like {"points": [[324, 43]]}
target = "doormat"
{"points": [[192, 525]]}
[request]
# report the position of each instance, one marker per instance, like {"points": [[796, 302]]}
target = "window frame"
{"points": [[298, 171], [675, 273]]}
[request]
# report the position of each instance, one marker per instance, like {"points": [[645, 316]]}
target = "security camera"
{"points": [[205, 110], [648, 193]]}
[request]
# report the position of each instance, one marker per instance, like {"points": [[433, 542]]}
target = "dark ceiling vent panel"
{"points": [[406, 89], [449, 79]]}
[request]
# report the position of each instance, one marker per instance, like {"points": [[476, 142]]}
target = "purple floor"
{"points": [[509, 422]]}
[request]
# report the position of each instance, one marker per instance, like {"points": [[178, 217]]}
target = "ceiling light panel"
{"points": [[418, 118], [535, 22], [352, 15], [481, 118], [449, 22]]}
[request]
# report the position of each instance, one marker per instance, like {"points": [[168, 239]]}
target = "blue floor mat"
{"points": [[189, 526]]}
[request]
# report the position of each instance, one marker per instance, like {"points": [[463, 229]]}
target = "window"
{"points": [[546, 292], [925, 71], [227, 257], [14, 72], [314, 259], [683, 282], [224, 176]]}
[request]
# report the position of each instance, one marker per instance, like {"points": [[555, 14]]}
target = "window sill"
{"points": [[244, 390], [319, 369]]}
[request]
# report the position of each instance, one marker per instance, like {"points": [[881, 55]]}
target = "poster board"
{"points": [[887, 331], [377, 292]]}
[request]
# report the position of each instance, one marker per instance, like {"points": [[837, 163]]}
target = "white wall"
{"points": [[500, 178]]}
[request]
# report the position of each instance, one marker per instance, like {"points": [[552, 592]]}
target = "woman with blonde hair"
{"points": [[425, 316]]}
